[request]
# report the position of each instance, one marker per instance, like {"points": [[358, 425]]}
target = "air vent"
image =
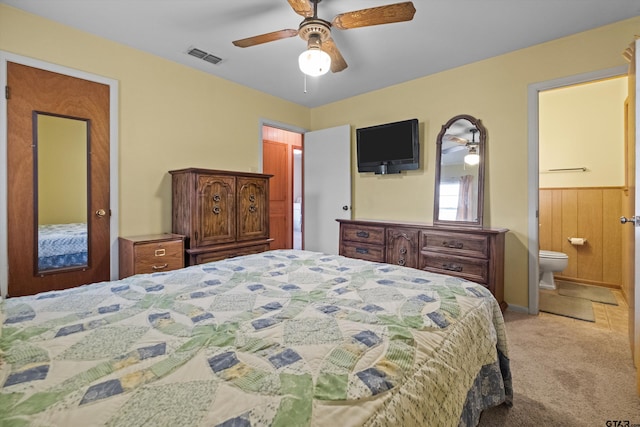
{"points": [[205, 56]]}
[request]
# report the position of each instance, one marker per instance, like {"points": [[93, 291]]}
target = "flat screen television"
{"points": [[388, 148]]}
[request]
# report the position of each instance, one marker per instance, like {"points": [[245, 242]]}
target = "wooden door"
{"points": [[253, 208], [276, 161], [32, 93], [216, 210]]}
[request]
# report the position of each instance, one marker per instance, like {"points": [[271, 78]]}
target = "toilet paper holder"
{"points": [[577, 241]]}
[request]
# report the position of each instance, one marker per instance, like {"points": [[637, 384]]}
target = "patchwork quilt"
{"points": [[281, 338]]}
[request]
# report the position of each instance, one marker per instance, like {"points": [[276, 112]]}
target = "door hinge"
{"points": [[6, 92]]}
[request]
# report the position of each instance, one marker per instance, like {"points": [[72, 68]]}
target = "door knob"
{"points": [[634, 220], [100, 213]]}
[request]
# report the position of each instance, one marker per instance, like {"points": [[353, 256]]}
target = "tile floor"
{"points": [[612, 317]]}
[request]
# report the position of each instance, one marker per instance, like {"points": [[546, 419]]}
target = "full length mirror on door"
{"points": [[61, 194]]}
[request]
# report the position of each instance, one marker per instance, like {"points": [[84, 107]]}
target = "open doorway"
{"points": [[282, 157], [581, 188], [534, 168]]}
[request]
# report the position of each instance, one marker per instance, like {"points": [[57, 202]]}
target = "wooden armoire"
{"points": [[222, 213]]}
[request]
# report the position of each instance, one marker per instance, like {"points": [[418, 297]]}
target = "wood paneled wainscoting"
{"points": [[592, 213]]}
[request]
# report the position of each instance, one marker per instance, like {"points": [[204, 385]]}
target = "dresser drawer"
{"points": [[474, 269], [456, 243], [150, 254], [203, 256], [364, 251], [363, 233]]}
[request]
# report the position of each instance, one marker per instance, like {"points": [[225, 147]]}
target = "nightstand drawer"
{"points": [[150, 254], [456, 243], [158, 256]]}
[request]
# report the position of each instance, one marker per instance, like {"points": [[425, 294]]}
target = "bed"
{"points": [[281, 338], [62, 245]]}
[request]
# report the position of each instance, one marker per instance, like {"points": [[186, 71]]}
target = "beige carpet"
{"points": [[566, 373]]}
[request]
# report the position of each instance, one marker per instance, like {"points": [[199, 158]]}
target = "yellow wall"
{"points": [[173, 117], [583, 126], [495, 91]]}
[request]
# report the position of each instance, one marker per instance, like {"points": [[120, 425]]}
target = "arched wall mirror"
{"points": [[459, 181]]}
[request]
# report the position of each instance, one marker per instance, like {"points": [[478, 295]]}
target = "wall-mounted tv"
{"points": [[388, 148]]}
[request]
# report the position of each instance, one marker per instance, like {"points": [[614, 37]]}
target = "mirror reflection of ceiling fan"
{"points": [[453, 143], [322, 53]]}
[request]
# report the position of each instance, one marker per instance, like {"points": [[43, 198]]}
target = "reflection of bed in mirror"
{"points": [[62, 246], [284, 337]]}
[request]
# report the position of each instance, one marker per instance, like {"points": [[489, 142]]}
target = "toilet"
{"points": [[551, 262]]}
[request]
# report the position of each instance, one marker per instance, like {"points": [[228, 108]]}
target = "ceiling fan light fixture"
{"points": [[314, 62], [472, 158]]}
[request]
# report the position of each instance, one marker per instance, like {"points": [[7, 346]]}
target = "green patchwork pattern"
{"points": [[282, 338]]}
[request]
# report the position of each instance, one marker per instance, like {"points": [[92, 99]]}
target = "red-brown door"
{"points": [[276, 162], [35, 93]]}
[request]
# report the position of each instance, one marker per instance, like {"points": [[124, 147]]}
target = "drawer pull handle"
{"points": [[452, 244], [364, 234], [403, 251], [160, 252], [452, 267], [362, 250], [160, 267], [252, 208], [216, 210], [401, 261]]}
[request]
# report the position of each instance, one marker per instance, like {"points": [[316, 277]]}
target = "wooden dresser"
{"points": [[150, 253], [475, 254], [222, 214]]}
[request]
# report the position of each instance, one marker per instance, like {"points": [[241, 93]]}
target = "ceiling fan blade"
{"points": [[453, 138], [398, 12], [302, 7], [337, 61], [265, 38], [453, 149]]}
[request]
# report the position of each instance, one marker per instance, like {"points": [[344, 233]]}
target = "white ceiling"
{"points": [[443, 34]]}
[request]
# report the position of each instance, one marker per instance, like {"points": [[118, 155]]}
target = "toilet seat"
{"points": [[553, 255]]}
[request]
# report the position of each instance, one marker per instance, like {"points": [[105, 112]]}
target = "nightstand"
{"points": [[150, 253]]}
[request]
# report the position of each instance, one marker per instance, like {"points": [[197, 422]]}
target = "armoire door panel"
{"points": [[216, 221], [253, 212]]}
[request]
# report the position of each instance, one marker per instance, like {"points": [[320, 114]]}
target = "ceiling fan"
{"points": [[317, 32], [452, 143]]}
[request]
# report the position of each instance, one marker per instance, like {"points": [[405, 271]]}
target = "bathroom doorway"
{"points": [[534, 167], [282, 158], [581, 188]]}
